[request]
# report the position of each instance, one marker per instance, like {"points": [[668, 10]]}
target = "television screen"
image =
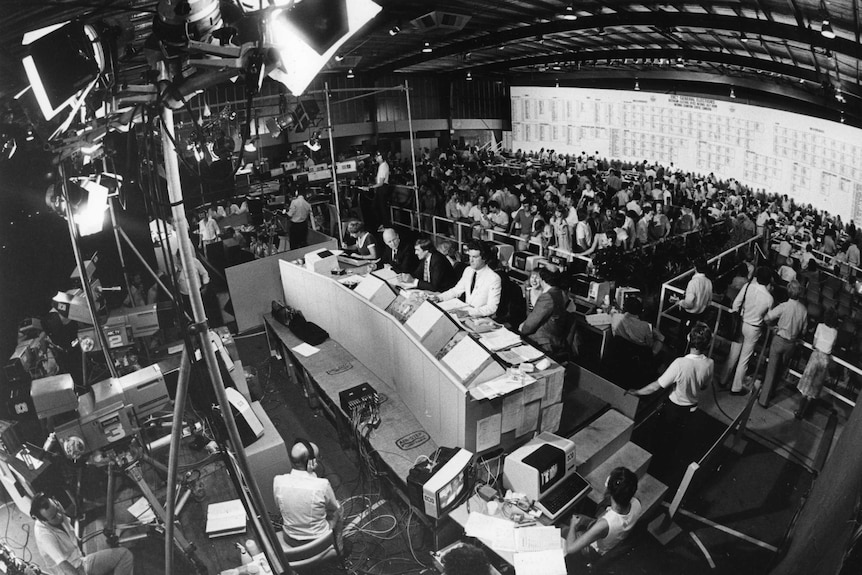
{"points": [[450, 492]]}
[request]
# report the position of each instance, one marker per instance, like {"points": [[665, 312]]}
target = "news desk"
{"points": [[431, 393]]}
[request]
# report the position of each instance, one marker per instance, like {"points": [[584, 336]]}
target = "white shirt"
{"points": [[689, 375], [758, 301], [204, 277], [618, 526], [484, 298], [305, 502], [209, 230], [299, 210], [382, 173], [58, 544]]}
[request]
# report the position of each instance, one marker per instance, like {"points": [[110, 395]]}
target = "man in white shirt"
{"points": [[298, 213], [182, 282], [382, 170], [755, 301], [698, 294], [480, 285], [689, 375], [209, 230], [58, 544], [307, 502]]}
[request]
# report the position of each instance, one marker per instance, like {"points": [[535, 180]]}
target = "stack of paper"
{"points": [[452, 305], [225, 518], [500, 386], [521, 354], [500, 339]]}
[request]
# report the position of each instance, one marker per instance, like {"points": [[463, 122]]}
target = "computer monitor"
{"points": [[537, 466], [441, 484]]}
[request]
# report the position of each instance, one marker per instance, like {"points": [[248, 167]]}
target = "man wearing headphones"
{"points": [[307, 502], [58, 544]]}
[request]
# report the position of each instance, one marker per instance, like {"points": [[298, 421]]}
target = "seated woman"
{"points": [[546, 326], [364, 247], [614, 525]]}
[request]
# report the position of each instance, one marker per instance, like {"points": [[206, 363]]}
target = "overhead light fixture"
{"points": [[557, 83], [732, 92], [279, 124], [394, 31], [556, 67], [89, 199], [308, 34], [842, 117], [637, 85], [426, 48], [743, 38], [313, 142], [469, 76], [339, 57], [680, 63], [64, 61], [569, 14], [826, 29], [250, 147], [350, 74]]}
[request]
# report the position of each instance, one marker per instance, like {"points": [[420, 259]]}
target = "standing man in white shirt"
{"points": [[208, 228], [183, 284], [480, 285], [382, 193], [298, 213], [755, 300], [307, 502], [698, 294], [689, 375], [382, 170]]}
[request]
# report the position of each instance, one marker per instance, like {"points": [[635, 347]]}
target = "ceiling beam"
{"points": [[688, 54], [664, 19]]}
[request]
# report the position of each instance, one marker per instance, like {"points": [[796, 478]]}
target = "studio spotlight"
{"points": [[279, 124], [350, 75], [826, 29], [426, 48], [309, 33], [469, 76], [339, 57]]}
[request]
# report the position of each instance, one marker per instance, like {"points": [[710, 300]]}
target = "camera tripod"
{"points": [[130, 464]]}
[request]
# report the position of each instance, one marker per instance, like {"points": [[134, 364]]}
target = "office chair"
{"points": [[309, 556]]}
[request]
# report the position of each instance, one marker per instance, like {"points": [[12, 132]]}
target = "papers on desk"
{"points": [[387, 274], [225, 518], [551, 562], [451, 305], [423, 319], [502, 385], [520, 354], [500, 339], [465, 358], [305, 350]]}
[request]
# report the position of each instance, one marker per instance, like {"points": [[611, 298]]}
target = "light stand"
{"points": [[85, 278], [269, 541]]}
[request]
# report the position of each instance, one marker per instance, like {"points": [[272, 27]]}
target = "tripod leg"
{"points": [[109, 531], [182, 543]]}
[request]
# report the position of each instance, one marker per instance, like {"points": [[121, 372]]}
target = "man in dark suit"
{"points": [[434, 272], [546, 326], [398, 254]]}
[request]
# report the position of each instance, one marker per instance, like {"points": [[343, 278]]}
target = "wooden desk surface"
{"points": [[400, 439]]}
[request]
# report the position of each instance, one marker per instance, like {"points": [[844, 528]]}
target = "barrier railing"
{"points": [[462, 232]]}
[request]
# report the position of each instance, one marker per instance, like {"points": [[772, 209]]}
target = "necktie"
{"points": [[473, 283], [427, 276]]}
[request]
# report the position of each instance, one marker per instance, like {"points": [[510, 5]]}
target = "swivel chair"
{"points": [[308, 558]]}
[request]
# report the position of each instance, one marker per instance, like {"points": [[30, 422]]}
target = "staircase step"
{"points": [[601, 439], [631, 456], [651, 493]]}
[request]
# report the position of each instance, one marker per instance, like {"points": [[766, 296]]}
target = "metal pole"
{"points": [[412, 149], [175, 194], [334, 171], [120, 248], [85, 278]]}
